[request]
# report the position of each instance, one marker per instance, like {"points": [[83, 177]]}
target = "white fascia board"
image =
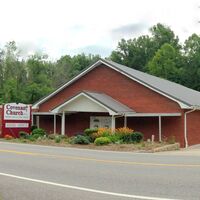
{"points": [[153, 115], [42, 113], [57, 110]]}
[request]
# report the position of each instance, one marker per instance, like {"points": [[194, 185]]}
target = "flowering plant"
{"points": [[8, 137]]}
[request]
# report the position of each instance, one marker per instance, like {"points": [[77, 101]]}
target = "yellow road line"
{"points": [[98, 160]]}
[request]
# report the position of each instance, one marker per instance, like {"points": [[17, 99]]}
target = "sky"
{"points": [[60, 27]]}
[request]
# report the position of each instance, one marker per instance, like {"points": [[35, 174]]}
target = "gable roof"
{"points": [[184, 96], [101, 99]]}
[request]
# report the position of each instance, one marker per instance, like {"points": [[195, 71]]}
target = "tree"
{"points": [[39, 83], [61, 70], [134, 53], [192, 59], [162, 34], [163, 63], [80, 62], [137, 52]]}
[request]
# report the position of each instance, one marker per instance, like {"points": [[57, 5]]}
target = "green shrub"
{"points": [[52, 136], [23, 134], [80, 139], [35, 136], [126, 138], [102, 141], [39, 131], [90, 131], [32, 139], [134, 137], [33, 127], [114, 138], [57, 139], [137, 137]]}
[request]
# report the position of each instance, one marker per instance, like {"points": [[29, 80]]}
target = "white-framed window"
{"points": [[100, 122]]}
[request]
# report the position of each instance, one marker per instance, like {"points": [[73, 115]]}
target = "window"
{"points": [[100, 122]]}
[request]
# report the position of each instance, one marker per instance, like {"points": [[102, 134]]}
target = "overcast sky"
{"points": [[60, 27]]}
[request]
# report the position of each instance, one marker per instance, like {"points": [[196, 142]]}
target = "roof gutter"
{"points": [[194, 108]]}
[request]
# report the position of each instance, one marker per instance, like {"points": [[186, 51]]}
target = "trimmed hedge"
{"points": [[102, 141], [90, 131], [80, 139], [135, 137], [39, 131], [24, 135]]}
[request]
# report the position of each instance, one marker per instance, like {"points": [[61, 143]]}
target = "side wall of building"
{"points": [[106, 80], [129, 92], [193, 128], [1, 119]]}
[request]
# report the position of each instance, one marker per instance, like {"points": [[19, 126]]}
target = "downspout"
{"points": [[185, 126]]}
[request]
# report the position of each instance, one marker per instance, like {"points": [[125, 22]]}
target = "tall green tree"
{"points": [[137, 52], [163, 63], [38, 84], [191, 74], [134, 53], [80, 62], [162, 34]]}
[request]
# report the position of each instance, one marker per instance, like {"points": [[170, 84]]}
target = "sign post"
{"points": [[16, 118]]}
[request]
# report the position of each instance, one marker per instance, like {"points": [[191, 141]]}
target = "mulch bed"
{"points": [[141, 147]]}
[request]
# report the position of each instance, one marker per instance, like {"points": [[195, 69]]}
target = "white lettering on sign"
{"points": [[13, 111], [16, 125]]}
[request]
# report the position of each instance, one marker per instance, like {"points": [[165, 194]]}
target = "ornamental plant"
{"points": [[102, 132], [39, 131], [80, 139], [123, 131], [23, 134], [102, 141], [8, 137], [90, 131]]}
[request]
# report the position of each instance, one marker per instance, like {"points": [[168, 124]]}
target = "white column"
{"points": [[125, 121], [160, 129], [32, 122], [38, 121], [113, 123], [54, 124], [63, 124]]}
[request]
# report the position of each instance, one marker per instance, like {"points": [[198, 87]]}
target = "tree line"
{"points": [[159, 53]]}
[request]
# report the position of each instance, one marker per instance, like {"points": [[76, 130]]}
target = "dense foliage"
{"points": [[160, 53], [28, 79]]}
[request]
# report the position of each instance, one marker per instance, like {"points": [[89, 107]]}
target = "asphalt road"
{"points": [[29, 172]]}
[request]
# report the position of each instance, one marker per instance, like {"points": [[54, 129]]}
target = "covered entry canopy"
{"points": [[97, 102], [87, 101]]}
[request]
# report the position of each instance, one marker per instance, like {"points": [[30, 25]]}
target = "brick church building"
{"points": [[108, 94]]}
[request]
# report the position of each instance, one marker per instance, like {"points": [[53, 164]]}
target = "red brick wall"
{"points": [[120, 87], [47, 123], [134, 95], [1, 119], [173, 126], [74, 123], [193, 127]]}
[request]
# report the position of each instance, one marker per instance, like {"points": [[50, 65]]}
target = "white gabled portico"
{"points": [[91, 102]]}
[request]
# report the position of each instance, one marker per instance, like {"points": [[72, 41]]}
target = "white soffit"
{"points": [[82, 103]]}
